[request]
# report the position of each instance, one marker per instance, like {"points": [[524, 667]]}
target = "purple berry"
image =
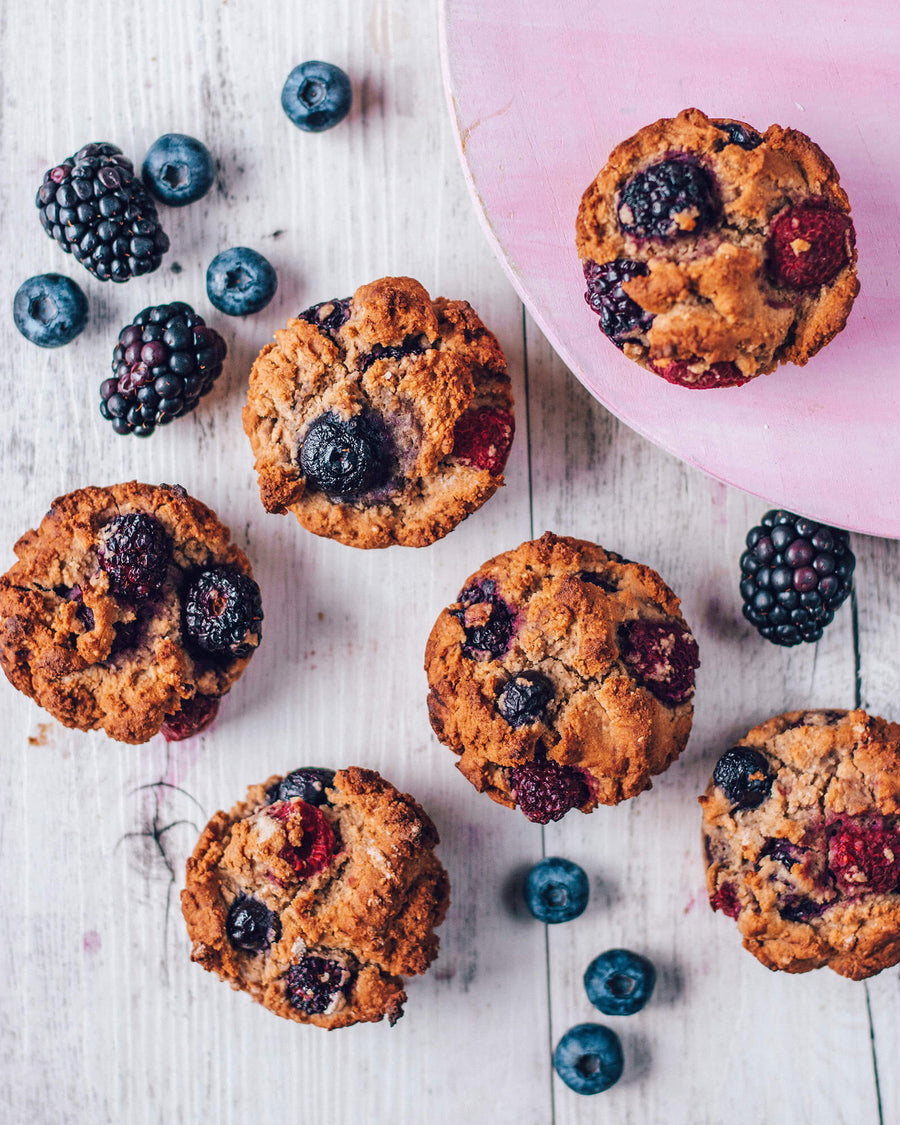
{"points": [[675, 196], [545, 791], [135, 552], [488, 622], [313, 983], [222, 613], [621, 318], [663, 656]]}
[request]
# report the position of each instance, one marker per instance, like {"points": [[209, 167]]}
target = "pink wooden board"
{"points": [[540, 92]]}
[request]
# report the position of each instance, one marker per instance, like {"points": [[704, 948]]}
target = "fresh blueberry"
{"points": [[743, 775], [309, 784], [239, 281], [524, 699], [251, 925], [589, 1058], [619, 982], [556, 890], [50, 310], [316, 96], [178, 169]]}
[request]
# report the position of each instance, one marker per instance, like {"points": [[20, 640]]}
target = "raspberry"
{"points": [[663, 656], [545, 791], [313, 983], [135, 552], [310, 837], [525, 698], [675, 196], [726, 900], [163, 363], [715, 375], [621, 318], [195, 715], [487, 620], [222, 613], [809, 245], [864, 855], [794, 575], [97, 209], [482, 438], [346, 457]]}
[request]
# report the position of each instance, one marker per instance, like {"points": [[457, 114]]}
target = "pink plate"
{"points": [[541, 91]]}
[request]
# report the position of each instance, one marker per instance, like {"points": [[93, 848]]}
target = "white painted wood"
{"points": [[103, 1018]]}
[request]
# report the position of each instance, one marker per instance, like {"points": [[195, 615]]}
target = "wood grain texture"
{"points": [[103, 1018]]}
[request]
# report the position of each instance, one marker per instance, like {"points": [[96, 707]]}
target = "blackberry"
{"points": [[251, 925], [487, 620], [525, 698], [545, 791], [313, 984], [163, 363], [308, 783], [344, 457], [738, 134], [222, 612], [743, 775], [135, 552], [621, 318], [794, 575], [675, 196], [327, 316], [97, 209], [661, 655]]}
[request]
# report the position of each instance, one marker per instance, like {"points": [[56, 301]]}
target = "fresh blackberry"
{"points": [[135, 552], [794, 575], [97, 209], [675, 196], [621, 318], [545, 791], [313, 984], [222, 612], [163, 363], [345, 457]]}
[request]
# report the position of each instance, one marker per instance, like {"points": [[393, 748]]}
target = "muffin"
{"points": [[801, 837], [713, 253], [315, 893], [383, 418], [562, 675], [129, 610]]}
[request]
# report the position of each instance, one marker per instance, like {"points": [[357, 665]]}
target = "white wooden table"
{"points": [[104, 1019]]}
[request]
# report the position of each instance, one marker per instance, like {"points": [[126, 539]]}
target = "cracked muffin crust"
{"points": [[92, 623], [713, 253], [381, 418], [562, 675], [316, 893], [801, 837]]}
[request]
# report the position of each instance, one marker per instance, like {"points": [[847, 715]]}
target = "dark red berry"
{"points": [[675, 196], [680, 373], [311, 841], [135, 551], [621, 318], [726, 900], [545, 791], [809, 245], [313, 984], [250, 925], [488, 622], [864, 855], [482, 438], [663, 656], [195, 715], [222, 612], [743, 775]]}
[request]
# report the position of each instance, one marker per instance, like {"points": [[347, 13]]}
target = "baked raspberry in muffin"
{"points": [[382, 418], [713, 253], [316, 894], [801, 833], [563, 676], [129, 610]]}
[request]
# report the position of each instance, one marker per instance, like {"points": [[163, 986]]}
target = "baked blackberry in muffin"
{"points": [[563, 676], [129, 610], [316, 894], [381, 418], [801, 837], [713, 253]]}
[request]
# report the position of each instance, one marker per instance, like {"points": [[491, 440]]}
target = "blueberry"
{"points": [[316, 96], [221, 613], [178, 169], [251, 925], [344, 457], [240, 281], [619, 982], [743, 775], [739, 134], [525, 698], [50, 310], [556, 890], [589, 1058], [308, 783]]}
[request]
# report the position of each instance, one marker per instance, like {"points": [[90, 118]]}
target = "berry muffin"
{"points": [[801, 834], [562, 675], [315, 893], [383, 418], [713, 253], [129, 610]]}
